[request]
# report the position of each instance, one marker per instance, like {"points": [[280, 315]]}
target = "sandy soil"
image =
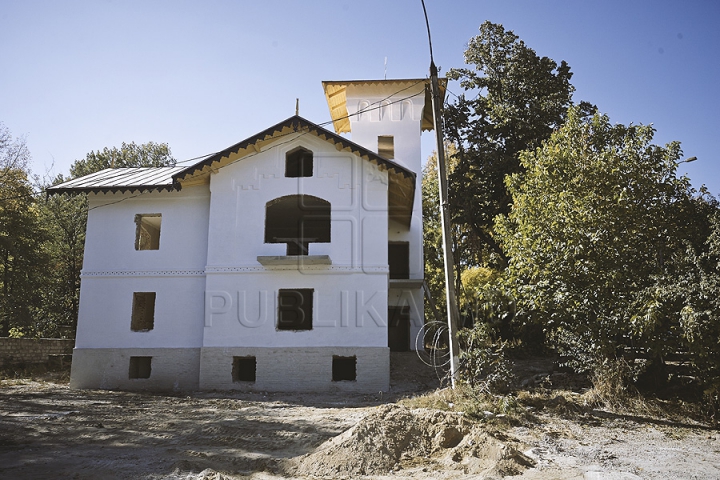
{"points": [[50, 431]]}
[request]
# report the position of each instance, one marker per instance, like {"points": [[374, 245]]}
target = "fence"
{"points": [[26, 351]]}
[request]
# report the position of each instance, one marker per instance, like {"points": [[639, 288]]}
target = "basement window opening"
{"points": [[386, 146], [344, 368], [140, 367], [243, 369], [295, 309], [297, 221], [147, 231], [143, 312], [299, 163]]}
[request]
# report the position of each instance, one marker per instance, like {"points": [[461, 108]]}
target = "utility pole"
{"points": [[450, 297]]}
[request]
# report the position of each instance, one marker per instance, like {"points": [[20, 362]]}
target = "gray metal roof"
{"points": [[122, 180]]}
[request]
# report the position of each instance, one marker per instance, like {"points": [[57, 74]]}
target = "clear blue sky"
{"points": [[77, 76]]}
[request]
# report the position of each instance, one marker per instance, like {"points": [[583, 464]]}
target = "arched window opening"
{"points": [[298, 221], [299, 163]]}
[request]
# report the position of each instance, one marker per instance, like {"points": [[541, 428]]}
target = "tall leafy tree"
{"points": [[512, 100], [149, 154], [22, 254], [66, 216], [597, 223], [465, 245]]}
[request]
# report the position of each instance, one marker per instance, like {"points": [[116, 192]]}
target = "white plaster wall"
{"points": [[402, 119], [356, 190], [106, 311], [110, 238], [349, 309], [350, 304], [113, 270]]}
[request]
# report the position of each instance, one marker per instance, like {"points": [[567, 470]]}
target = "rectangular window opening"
{"points": [[299, 163], [140, 367], [143, 312], [243, 369], [295, 309], [399, 260], [399, 329], [386, 146], [147, 231], [344, 368]]}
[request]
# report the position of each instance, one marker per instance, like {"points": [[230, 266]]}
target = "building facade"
{"points": [[289, 261]]}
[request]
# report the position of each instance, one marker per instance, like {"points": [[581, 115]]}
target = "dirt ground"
{"points": [[49, 431]]}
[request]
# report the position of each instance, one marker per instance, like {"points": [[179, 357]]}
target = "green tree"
{"points": [[465, 245], [149, 154], [698, 284], [597, 222], [22, 254], [65, 217], [513, 99]]}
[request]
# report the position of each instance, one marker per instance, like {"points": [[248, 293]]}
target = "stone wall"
{"points": [[25, 351]]}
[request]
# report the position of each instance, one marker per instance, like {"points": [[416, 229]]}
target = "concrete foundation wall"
{"points": [[108, 368], [296, 369], [15, 351]]}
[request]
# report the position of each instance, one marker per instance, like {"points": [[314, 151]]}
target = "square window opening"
{"points": [[140, 367], [386, 146], [143, 312], [243, 369], [295, 309], [299, 163], [344, 368], [147, 231]]}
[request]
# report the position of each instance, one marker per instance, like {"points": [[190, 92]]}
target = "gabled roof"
{"points": [[294, 124], [402, 182], [137, 179]]}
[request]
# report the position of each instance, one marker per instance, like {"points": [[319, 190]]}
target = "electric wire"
{"points": [[371, 107]]}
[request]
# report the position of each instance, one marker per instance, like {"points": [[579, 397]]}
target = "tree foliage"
{"points": [[149, 154], [513, 99], [65, 218], [42, 238], [22, 236], [599, 229]]}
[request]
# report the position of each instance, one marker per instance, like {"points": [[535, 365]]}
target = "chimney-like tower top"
{"points": [[392, 91]]}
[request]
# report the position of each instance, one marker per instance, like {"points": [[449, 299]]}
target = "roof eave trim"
{"points": [[115, 189], [297, 124]]}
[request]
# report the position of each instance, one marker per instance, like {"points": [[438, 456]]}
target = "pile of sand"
{"points": [[394, 437]]}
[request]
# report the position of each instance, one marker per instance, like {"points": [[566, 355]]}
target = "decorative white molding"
{"points": [[296, 260], [144, 273], [377, 269]]}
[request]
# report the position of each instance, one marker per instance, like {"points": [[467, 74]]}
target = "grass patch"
{"points": [[476, 405], [523, 407]]}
